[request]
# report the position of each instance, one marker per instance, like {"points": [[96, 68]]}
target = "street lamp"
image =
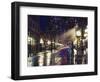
{"points": [[41, 44], [78, 36], [85, 33], [48, 42], [29, 39], [86, 30], [41, 41]]}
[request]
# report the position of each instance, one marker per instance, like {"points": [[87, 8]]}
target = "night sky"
{"points": [[58, 23]]}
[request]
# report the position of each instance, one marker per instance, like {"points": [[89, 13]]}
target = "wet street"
{"points": [[43, 57]]}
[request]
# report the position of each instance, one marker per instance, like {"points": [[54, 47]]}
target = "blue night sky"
{"points": [[43, 23], [57, 22]]}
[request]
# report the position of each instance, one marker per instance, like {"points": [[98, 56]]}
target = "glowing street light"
{"points": [[48, 42], [29, 39], [86, 30], [85, 35], [41, 41]]}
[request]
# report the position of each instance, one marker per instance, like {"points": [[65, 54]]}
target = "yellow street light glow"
{"points": [[53, 42], [78, 33], [41, 41], [86, 30], [49, 42], [85, 35], [29, 39]]}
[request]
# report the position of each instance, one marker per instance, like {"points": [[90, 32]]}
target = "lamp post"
{"points": [[81, 35], [78, 35], [41, 41]]}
